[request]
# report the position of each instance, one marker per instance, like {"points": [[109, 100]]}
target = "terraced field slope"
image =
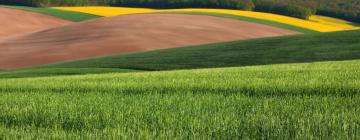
{"points": [[313, 100], [19, 22], [128, 33], [308, 24]]}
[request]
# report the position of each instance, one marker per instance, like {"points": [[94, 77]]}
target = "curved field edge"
{"points": [[45, 72], [309, 24], [312, 100], [249, 19], [62, 14], [292, 49]]}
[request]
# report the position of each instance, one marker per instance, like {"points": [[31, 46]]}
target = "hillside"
{"points": [[100, 72], [335, 46], [313, 100], [124, 34], [295, 49]]}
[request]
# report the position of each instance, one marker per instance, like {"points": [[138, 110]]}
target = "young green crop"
{"points": [[292, 101], [332, 78], [176, 116]]}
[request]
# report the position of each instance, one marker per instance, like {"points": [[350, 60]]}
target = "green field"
{"points": [[293, 101], [67, 15]]}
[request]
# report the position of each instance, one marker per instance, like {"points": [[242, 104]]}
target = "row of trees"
{"points": [[346, 9], [289, 9]]}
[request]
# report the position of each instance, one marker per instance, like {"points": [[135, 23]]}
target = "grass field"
{"points": [[313, 24], [67, 15], [311, 101]]}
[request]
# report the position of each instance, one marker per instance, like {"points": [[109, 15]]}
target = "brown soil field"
{"points": [[127, 33], [18, 22]]}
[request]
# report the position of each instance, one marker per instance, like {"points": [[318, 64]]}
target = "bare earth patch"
{"points": [[127, 33], [18, 22]]}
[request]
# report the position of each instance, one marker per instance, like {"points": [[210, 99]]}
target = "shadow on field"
{"points": [[293, 49]]}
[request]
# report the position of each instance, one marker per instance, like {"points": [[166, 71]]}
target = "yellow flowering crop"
{"points": [[108, 11], [339, 23], [316, 23]]}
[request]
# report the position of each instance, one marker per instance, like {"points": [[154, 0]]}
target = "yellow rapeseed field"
{"points": [[316, 23], [107, 11], [346, 25]]}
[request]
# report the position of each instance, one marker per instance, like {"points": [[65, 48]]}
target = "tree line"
{"points": [[346, 9]]}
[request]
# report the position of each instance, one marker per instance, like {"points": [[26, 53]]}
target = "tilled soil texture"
{"points": [[18, 22], [127, 33]]}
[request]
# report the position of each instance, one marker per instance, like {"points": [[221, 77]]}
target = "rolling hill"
{"points": [[293, 49], [336, 46], [312, 100], [155, 82], [128, 33]]}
